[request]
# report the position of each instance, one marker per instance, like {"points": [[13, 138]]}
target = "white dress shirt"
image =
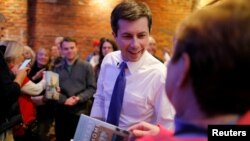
{"points": [[144, 99]]}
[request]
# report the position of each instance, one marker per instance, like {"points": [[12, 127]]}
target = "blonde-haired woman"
{"points": [[45, 113], [10, 52], [29, 54]]}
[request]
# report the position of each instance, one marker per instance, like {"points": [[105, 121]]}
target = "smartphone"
{"points": [[25, 63]]}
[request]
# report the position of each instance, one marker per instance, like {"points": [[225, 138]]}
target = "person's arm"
{"points": [[32, 88], [144, 131], [91, 86], [38, 75], [9, 89]]}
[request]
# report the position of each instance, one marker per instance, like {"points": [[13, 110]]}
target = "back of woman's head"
{"points": [[13, 50], [217, 41]]}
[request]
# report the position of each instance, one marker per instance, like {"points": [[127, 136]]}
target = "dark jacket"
{"points": [[46, 111], [78, 81], [9, 93]]}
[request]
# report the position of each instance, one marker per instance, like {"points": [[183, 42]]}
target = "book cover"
{"points": [[52, 82], [91, 129]]}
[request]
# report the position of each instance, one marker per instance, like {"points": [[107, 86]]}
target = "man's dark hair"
{"points": [[130, 10], [67, 39]]}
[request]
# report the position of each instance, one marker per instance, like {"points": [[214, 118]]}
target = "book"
{"points": [[91, 129], [52, 82]]}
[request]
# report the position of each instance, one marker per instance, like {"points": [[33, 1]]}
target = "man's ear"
{"points": [[185, 66], [114, 34]]}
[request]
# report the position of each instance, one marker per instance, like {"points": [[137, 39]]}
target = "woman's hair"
{"points": [[101, 56], [48, 53], [217, 41], [32, 53], [13, 50]]}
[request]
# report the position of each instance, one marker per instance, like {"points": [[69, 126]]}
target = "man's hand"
{"points": [[73, 100], [143, 129]]}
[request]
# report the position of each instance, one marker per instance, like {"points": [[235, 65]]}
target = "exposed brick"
{"points": [[15, 25], [85, 20]]}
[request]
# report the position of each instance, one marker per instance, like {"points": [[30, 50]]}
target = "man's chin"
{"points": [[134, 59]]}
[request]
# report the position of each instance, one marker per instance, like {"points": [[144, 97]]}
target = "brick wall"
{"points": [[84, 20], [166, 16], [13, 20]]}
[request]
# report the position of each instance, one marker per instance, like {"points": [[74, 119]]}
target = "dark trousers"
{"points": [[44, 126], [26, 137], [65, 125]]}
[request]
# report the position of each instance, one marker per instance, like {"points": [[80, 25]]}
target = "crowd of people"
{"points": [[123, 82]]}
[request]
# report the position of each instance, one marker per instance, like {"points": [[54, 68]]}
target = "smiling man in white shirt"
{"points": [[144, 95]]}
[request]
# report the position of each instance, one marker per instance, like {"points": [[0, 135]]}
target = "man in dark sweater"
{"points": [[77, 83]]}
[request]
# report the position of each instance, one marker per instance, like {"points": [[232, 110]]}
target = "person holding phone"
{"points": [[27, 131], [10, 83]]}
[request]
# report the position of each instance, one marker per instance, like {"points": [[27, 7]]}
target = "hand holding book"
{"points": [[91, 129]]}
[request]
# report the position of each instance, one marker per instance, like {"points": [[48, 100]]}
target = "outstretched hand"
{"points": [[39, 74]]}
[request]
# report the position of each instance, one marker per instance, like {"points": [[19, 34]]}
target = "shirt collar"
{"points": [[134, 66], [66, 64]]}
